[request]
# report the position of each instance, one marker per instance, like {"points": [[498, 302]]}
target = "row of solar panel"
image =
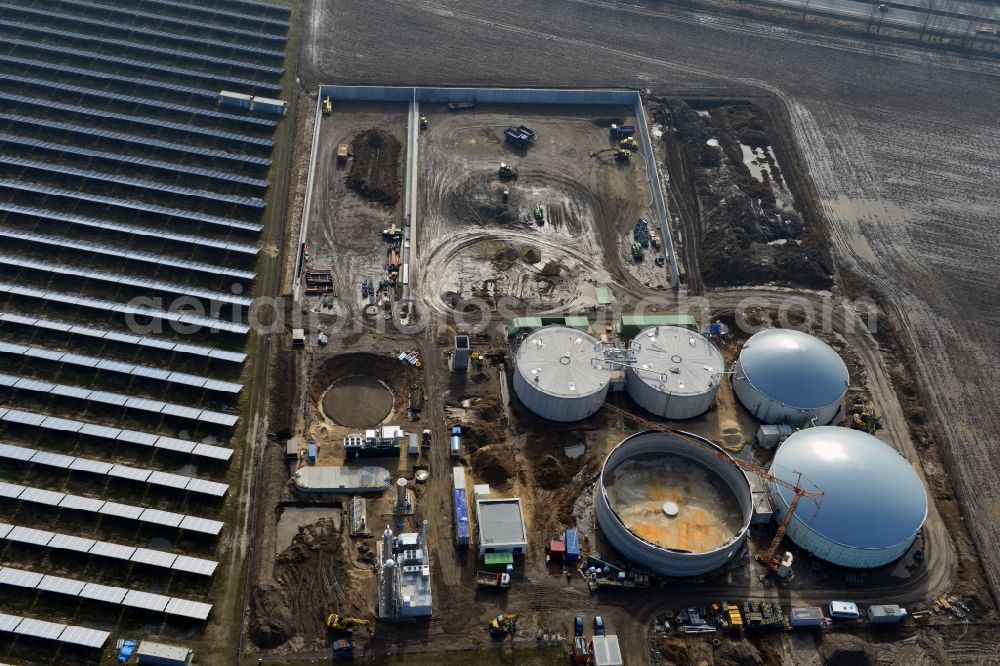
{"points": [[76, 300], [129, 204], [261, 5], [144, 65], [96, 93], [60, 541], [146, 371], [187, 128], [112, 595], [160, 18], [194, 42], [139, 46], [140, 183], [127, 511], [64, 148], [152, 477], [135, 140], [127, 280], [104, 76], [226, 14], [127, 338], [60, 425], [129, 229], [119, 400], [53, 631], [130, 255]]}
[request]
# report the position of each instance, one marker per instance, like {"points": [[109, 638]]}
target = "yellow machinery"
{"points": [[620, 154], [327, 106], [341, 622], [504, 624], [507, 172], [628, 142]]}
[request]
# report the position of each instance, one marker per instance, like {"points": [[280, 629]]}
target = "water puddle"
{"points": [[714, 143], [575, 451]]}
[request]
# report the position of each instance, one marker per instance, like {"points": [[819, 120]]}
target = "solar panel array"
{"points": [[65, 270], [119, 400], [85, 546], [131, 255], [118, 166], [115, 336], [63, 425], [51, 498], [23, 626], [115, 595], [153, 477]]}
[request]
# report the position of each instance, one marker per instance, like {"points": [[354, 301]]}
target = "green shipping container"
{"points": [[630, 325], [497, 560]]}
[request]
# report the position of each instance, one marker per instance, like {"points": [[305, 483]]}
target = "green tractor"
{"points": [[637, 251], [539, 214]]}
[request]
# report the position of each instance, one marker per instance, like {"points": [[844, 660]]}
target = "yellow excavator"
{"points": [[341, 622], [628, 142], [327, 106], [620, 154], [504, 624]]}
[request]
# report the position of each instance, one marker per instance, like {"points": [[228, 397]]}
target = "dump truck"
{"points": [[493, 579], [637, 251], [343, 151], [519, 137], [621, 131], [628, 142]]}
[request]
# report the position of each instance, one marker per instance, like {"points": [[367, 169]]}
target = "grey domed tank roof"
{"points": [[794, 368], [872, 497]]}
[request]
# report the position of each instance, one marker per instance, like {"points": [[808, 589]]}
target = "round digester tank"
{"points": [[672, 505], [673, 372], [560, 374], [873, 502], [787, 376]]}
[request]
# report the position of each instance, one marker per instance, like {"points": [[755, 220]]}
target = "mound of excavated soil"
{"points": [[738, 653], [374, 172], [493, 465], [846, 650], [361, 401], [549, 472]]}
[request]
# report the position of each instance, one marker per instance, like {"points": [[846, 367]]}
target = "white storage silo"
{"points": [[873, 502], [673, 372], [786, 376], [560, 374]]}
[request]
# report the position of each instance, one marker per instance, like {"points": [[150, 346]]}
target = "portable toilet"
{"points": [[312, 452]]}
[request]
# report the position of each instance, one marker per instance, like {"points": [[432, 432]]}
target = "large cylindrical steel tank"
{"points": [[786, 376], [873, 503], [672, 503], [560, 374], [673, 372]]}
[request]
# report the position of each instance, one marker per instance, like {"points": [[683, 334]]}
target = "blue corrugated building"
{"points": [[461, 518], [572, 545]]}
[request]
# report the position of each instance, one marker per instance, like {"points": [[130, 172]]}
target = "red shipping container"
{"points": [[557, 549]]}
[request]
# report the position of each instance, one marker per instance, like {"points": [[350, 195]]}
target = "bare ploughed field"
{"points": [[903, 147]]}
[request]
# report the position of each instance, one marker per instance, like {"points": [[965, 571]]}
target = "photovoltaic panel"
{"points": [[146, 65], [16, 452], [145, 600], [207, 487], [238, 36], [39, 629], [10, 490], [264, 70], [91, 638], [52, 459], [141, 183], [130, 473], [19, 577], [56, 423], [131, 255], [157, 343], [44, 353], [78, 503], [137, 31], [187, 380], [156, 558], [194, 565], [41, 496], [135, 437], [182, 411], [173, 444], [115, 551], [203, 525], [237, 17], [30, 535], [121, 510], [114, 336], [71, 392], [176, 481], [157, 517], [218, 418], [5, 529], [29, 384], [108, 398], [145, 404], [99, 431], [9, 623], [28, 63], [209, 451], [60, 585], [129, 204], [111, 595], [235, 357], [190, 609], [70, 542], [92, 466]]}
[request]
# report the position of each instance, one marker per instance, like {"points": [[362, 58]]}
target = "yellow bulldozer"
{"points": [[504, 624], [341, 622]]}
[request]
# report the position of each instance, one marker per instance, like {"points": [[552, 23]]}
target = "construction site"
{"points": [[406, 356]]}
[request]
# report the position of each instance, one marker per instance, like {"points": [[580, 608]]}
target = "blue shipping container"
{"points": [[312, 452], [461, 518], [572, 545]]}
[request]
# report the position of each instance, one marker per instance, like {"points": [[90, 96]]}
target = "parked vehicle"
{"points": [[599, 626], [493, 579], [844, 610], [578, 626]]}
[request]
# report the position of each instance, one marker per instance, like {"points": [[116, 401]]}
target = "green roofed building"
{"points": [[526, 325], [630, 325]]}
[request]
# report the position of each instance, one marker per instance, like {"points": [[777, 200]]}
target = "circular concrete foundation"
{"points": [[358, 401]]}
